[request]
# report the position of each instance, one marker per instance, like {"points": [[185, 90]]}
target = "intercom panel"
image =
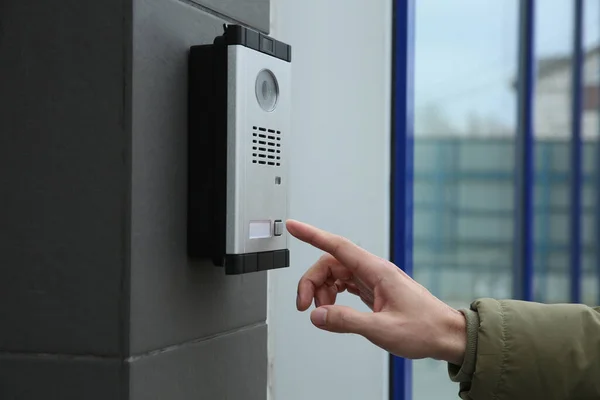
{"points": [[238, 141]]}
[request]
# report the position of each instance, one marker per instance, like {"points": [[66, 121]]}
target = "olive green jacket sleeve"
{"points": [[523, 350]]}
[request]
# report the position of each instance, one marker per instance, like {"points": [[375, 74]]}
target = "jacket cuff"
{"points": [[525, 348], [464, 372]]}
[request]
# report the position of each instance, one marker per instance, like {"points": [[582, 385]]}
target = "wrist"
{"points": [[453, 338]]}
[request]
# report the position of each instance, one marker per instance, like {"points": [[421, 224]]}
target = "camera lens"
{"points": [[267, 90]]}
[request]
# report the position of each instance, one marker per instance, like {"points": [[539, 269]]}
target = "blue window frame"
{"points": [[576, 155], [402, 167], [524, 179]]}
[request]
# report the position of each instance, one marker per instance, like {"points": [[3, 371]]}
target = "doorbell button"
{"points": [[278, 229]]}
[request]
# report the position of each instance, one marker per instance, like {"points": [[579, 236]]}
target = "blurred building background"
{"points": [[466, 122]]}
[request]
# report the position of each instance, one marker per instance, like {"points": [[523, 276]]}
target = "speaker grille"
{"points": [[266, 147]]}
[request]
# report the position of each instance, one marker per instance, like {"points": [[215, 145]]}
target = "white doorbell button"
{"points": [[239, 125]]}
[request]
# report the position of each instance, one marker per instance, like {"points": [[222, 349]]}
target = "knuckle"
{"points": [[344, 320], [339, 243], [340, 321]]}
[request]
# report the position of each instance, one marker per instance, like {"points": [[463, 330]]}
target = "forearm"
{"points": [[452, 342], [463, 371]]}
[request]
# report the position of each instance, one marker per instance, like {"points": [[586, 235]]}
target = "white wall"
{"points": [[339, 181]]}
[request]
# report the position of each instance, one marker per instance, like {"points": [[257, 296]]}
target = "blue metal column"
{"points": [[596, 183], [402, 168], [524, 168], [576, 154]]}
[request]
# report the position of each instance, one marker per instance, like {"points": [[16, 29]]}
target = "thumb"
{"points": [[341, 319]]}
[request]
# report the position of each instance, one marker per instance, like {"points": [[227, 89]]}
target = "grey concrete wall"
{"points": [[97, 297]]}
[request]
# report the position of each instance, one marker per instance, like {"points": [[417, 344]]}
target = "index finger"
{"points": [[359, 261]]}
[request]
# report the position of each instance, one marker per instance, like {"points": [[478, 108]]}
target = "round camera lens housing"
{"points": [[267, 90]]}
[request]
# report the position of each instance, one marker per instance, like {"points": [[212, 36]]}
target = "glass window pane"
{"points": [[591, 126], [553, 42], [465, 109]]}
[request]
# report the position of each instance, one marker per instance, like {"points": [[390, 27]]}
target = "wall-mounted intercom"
{"points": [[238, 135]]}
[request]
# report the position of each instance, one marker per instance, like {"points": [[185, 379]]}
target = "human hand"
{"points": [[407, 320]]}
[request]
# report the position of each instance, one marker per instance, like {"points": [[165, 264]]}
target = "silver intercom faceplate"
{"points": [[239, 127]]}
